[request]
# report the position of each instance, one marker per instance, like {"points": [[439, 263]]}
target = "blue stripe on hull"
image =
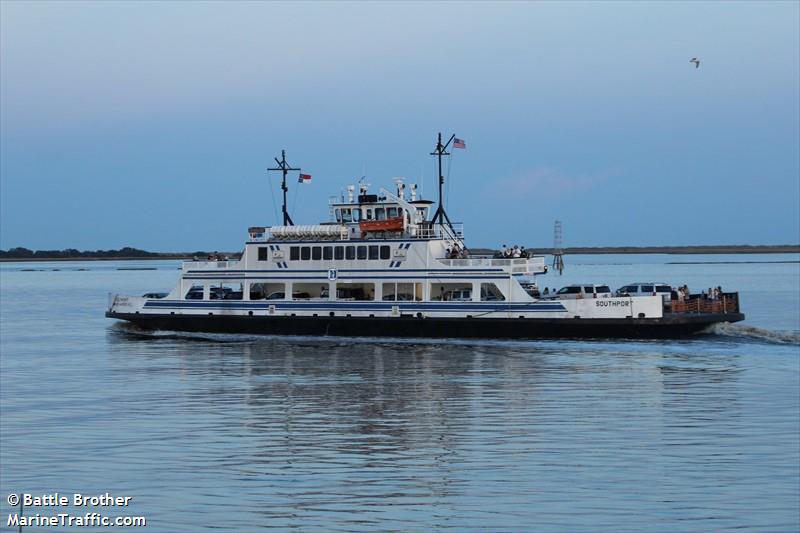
{"points": [[398, 275], [311, 270], [376, 306]]}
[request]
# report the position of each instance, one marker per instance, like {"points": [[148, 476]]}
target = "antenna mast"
{"points": [[284, 167], [439, 151]]}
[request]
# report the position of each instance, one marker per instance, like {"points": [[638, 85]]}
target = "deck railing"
{"points": [[521, 265], [727, 303], [205, 265], [425, 230], [437, 231]]}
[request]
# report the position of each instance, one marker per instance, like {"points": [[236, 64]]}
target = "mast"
{"points": [[284, 167], [439, 151]]}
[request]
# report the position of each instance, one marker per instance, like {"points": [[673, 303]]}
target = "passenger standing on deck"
{"points": [[504, 251]]}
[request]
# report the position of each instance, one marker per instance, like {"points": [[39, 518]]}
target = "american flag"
{"points": [[304, 178], [459, 143]]}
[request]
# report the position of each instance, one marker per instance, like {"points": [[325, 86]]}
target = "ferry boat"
{"points": [[386, 265]]}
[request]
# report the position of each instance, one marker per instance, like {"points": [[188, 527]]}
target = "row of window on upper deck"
{"points": [[328, 253], [354, 214]]}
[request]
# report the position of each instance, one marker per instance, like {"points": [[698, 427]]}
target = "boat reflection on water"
{"points": [[310, 425]]}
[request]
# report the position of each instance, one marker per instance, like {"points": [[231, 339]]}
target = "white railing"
{"points": [[483, 261], [205, 265], [437, 231], [331, 232], [338, 232], [522, 265]]}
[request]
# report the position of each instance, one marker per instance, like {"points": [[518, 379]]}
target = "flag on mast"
{"points": [[304, 178], [459, 143]]}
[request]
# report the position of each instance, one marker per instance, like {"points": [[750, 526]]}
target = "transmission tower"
{"points": [[558, 249]]}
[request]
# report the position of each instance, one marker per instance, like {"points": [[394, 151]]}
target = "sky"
{"points": [[151, 124]]}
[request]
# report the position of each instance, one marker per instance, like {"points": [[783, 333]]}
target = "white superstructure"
{"points": [[380, 255]]}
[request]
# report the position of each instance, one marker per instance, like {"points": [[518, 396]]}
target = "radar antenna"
{"points": [[284, 167]]}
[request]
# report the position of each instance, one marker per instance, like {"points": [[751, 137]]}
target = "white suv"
{"points": [[647, 289], [582, 290]]}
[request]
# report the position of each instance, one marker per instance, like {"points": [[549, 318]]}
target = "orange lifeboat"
{"points": [[390, 224]]}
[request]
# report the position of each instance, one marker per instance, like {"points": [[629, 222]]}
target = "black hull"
{"points": [[670, 326]]}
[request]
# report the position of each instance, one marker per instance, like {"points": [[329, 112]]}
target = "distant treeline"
{"points": [[22, 254], [705, 249], [69, 253], [127, 252]]}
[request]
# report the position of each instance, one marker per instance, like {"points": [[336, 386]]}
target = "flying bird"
{"points": [[695, 61]]}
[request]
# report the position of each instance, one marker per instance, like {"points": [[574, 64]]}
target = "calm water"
{"points": [[240, 432]]}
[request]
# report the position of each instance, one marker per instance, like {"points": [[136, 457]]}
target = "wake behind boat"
{"points": [[384, 265]]}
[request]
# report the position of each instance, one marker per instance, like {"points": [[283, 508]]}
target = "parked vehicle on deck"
{"points": [[647, 289], [581, 290]]}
